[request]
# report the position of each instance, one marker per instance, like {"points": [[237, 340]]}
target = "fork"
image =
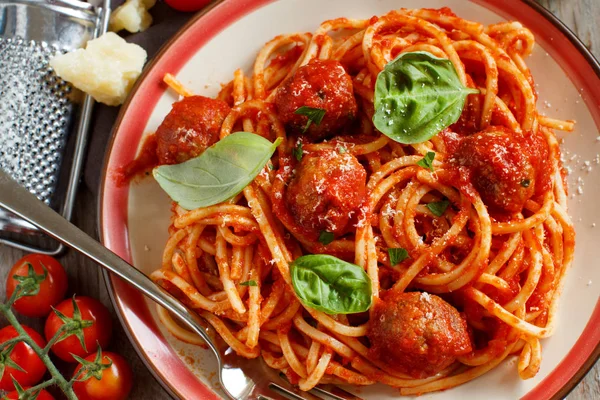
{"points": [[240, 378]]}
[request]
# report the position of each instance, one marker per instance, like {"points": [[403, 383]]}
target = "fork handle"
{"points": [[22, 203]]}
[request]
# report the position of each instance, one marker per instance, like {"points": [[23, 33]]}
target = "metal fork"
{"points": [[240, 378]]}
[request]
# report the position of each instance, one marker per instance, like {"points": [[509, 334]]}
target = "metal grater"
{"points": [[43, 120]]}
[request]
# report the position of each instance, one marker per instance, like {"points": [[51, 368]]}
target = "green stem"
{"points": [[57, 336], [13, 297], [9, 343], [42, 385], [58, 379]]}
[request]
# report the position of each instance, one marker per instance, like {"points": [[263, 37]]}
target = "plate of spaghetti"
{"points": [[380, 198]]}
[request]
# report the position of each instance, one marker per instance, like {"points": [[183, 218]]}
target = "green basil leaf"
{"points": [[331, 285], [326, 237], [427, 161], [438, 207], [397, 255], [417, 95], [221, 172], [248, 283], [313, 114]]}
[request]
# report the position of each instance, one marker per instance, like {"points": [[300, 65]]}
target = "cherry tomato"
{"points": [[24, 357], [42, 396], [115, 384], [96, 335], [52, 289], [187, 5]]}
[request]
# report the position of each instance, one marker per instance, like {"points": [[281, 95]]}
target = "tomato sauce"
{"points": [[286, 57], [141, 166]]}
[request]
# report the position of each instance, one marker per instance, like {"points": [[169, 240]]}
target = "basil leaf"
{"points": [[525, 183], [326, 237], [397, 255], [331, 285], [248, 283], [417, 95], [438, 207], [313, 114], [221, 172], [427, 161], [297, 152]]}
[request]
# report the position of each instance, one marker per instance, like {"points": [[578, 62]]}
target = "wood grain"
{"points": [[85, 278]]}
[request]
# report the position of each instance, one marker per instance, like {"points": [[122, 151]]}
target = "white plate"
{"points": [[205, 54]]}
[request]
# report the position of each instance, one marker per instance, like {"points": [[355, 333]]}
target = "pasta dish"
{"points": [[376, 202]]}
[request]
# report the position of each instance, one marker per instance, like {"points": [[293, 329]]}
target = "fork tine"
{"points": [[280, 385], [284, 392], [334, 393]]}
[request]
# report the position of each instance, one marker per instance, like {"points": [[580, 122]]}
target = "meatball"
{"points": [[326, 192], [499, 166], [415, 333], [322, 84], [192, 126]]}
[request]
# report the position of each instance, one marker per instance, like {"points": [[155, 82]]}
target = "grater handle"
{"points": [[22, 203]]}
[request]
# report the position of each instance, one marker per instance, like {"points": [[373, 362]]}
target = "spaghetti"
{"points": [[486, 250]]}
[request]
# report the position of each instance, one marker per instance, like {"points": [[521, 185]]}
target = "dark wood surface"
{"points": [[85, 278]]}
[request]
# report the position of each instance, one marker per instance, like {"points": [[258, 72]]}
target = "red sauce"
{"points": [[503, 296], [447, 11], [536, 148], [139, 167], [286, 57], [471, 114]]}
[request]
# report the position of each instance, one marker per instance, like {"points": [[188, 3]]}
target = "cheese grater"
{"points": [[43, 120]]}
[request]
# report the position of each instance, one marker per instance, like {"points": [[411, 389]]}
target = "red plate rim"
{"points": [[162, 361]]}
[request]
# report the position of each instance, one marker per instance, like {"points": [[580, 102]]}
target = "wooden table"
{"points": [[582, 16]]}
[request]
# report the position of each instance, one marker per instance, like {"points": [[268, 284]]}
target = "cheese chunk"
{"points": [[106, 69], [133, 16]]}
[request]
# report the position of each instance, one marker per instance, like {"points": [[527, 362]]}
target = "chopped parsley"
{"points": [[326, 237], [438, 207], [297, 151], [248, 283], [314, 115], [397, 255], [342, 150], [525, 183], [427, 161]]}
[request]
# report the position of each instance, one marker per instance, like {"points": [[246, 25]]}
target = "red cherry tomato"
{"points": [[187, 5], [52, 289], [115, 384], [96, 335], [24, 357], [42, 396]]}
